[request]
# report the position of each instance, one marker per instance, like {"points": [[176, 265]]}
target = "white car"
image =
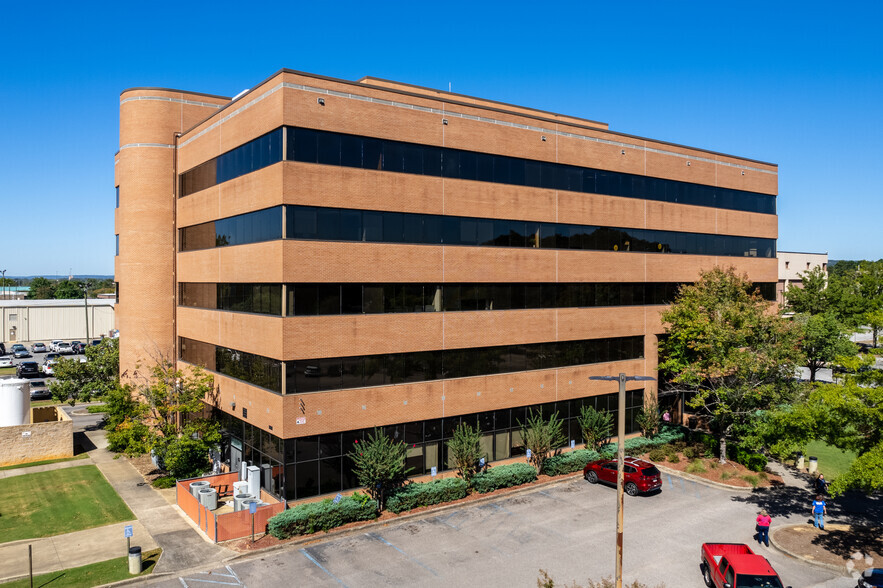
{"points": [[6, 362], [53, 346], [48, 367], [64, 348]]}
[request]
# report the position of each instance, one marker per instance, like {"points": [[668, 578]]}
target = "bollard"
{"points": [[813, 464], [134, 560]]}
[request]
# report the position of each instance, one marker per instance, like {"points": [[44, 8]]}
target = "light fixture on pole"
{"points": [[620, 453]]}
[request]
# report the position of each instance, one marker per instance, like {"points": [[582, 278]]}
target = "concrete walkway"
{"points": [[159, 524]]}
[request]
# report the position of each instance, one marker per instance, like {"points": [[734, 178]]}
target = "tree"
{"points": [[874, 319], [41, 289], [596, 426], [726, 348], [465, 450], [847, 415], [822, 339], [68, 289], [77, 381], [812, 297], [379, 465], [648, 418], [541, 436]]}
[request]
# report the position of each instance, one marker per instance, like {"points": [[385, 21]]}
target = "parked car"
{"points": [[871, 578], [6, 362], [64, 348], [2, 349], [639, 476], [19, 353], [41, 393], [48, 367], [49, 356], [27, 369], [95, 342], [38, 348], [734, 564], [17, 346], [53, 344], [75, 345]]}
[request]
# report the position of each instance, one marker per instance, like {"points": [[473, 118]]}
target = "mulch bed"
{"points": [[851, 547], [145, 467], [730, 473]]}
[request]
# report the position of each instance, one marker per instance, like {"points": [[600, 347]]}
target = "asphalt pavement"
{"points": [[567, 529]]}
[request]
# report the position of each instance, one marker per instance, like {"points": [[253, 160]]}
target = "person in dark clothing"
{"points": [[821, 485]]}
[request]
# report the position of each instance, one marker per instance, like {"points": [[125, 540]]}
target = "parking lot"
{"points": [[567, 529], [39, 385]]}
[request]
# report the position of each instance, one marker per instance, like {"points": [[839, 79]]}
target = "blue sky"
{"points": [[797, 84]]}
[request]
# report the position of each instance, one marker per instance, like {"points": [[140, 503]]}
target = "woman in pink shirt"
{"points": [[763, 527]]}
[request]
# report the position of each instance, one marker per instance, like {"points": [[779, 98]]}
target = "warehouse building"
{"points": [[46, 320], [349, 255]]}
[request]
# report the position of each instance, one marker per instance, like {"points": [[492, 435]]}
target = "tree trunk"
{"points": [[723, 451], [812, 372]]}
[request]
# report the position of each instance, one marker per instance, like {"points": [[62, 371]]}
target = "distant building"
{"points": [[14, 292], [792, 264], [45, 320]]}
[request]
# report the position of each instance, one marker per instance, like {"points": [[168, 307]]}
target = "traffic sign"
{"points": [[252, 507], [337, 498], [128, 531]]}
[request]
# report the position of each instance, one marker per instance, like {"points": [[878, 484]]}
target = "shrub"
{"points": [[751, 479], [657, 454], [726, 475], [672, 458], [648, 418], [666, 435], [186, 457], [541, 436], [379, 465], [690, 453], [464, 449], [164, 482], [679, 445], [753, 461], [596, 426], [696, 467], [321, 516], [670, 453], [569, 462], [426, 493], [503, 477]]}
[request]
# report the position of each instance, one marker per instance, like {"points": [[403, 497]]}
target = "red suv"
{"points": [[639, 476]]}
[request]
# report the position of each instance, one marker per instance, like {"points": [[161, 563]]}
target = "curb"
{"points": [[842, 570]]}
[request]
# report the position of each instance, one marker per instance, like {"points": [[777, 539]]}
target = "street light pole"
{"points": [[620, 461]]}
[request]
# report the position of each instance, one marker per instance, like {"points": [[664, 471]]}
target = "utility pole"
{"points": [[620, 460], [86, 303]]}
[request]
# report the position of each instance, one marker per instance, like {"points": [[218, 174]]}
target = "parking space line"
{"points": [[210, 582], [670, 483], [232, 573], [321, 567], [414, 559]]}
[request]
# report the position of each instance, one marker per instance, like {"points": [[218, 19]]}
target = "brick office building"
{"points": [[345, 255]]}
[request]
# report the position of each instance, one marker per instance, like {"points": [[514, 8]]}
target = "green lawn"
{"points": [[44, 462], [56, 502], [94, 408], [832, 461], [7, 371], [105, 572]]}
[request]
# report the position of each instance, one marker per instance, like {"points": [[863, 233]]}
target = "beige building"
{"points": [[45, 320], [794, 263]]}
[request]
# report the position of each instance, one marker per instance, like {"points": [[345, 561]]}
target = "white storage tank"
{"points": [[15, 402]]}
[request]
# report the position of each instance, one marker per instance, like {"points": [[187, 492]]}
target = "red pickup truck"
{"points": [[734, 565]]}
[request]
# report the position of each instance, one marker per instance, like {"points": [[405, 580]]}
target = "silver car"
{"points": [[64, 348]]}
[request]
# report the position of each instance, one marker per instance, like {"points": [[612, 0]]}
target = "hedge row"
{"points": [[425, 493], [503, 477], [566, 463], [667, 434], [321, 516]]}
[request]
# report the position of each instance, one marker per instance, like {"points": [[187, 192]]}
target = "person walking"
{"points": [[666, 417], [763, 527], [819, 510], [821, 484]]}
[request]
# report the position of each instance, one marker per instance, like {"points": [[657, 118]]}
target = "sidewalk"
{"points": [[159, 524]]}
